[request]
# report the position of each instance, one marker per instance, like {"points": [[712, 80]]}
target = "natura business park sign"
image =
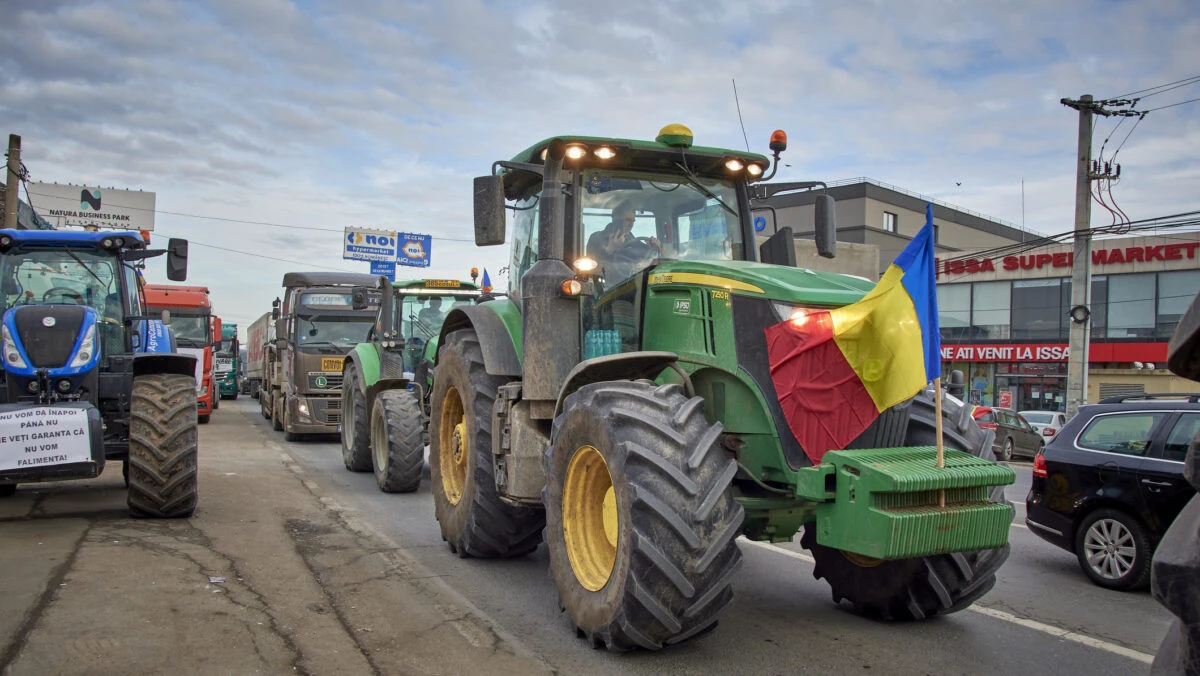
{"points": [[80, 205]]}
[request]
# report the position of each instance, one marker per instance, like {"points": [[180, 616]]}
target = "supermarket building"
{"points": [[1004, 320]]}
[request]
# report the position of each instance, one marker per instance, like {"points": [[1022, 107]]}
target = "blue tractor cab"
{"points": [[87, 376]]}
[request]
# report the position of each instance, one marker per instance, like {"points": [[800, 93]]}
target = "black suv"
{"points": [[1111, 482]]}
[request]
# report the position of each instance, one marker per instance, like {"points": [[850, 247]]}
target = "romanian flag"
{"points": [[835, 371], [487, 282]]}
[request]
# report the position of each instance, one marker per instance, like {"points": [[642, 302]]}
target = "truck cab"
{"points": [[227, 376], [196, 331], [316, 325]]}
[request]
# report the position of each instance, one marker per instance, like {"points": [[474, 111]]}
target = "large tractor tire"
{"points": [[397, 449], [922, 587], [473, 519], [356, 423], [640, 518], [162, 446]]}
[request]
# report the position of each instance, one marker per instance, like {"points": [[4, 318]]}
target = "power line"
{"points": [[1185, 81], [1170, 106], [256, 255]]}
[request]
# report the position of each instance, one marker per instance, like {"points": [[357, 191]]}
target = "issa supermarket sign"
{"points": [[414, 249], [365, 244]]}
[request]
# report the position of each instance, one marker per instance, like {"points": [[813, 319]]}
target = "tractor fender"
{"points": [[164, 362], [366, 359], [624, 366], [497, 341]]}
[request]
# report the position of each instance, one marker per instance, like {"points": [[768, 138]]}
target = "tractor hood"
{"points": [[776, 282]]}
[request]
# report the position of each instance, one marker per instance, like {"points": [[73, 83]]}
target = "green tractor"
{"points": [[386, 394], [618, 405]]}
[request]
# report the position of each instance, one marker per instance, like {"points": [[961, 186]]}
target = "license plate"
{"points": [[331, 364], [40, 435]]}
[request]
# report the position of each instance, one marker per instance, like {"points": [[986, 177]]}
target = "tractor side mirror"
{"points": [[489, 210], [779, 249], [957, 384], [177, 255], [359, 298], [825, 226]]}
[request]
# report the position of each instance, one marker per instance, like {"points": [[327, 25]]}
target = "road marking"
{"points": [[1052, 630], [1059, 632]]}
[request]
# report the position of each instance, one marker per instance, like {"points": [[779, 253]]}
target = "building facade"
{"points": [[1004, 319]]}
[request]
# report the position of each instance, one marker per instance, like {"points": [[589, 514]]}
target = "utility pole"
{"points": [[12, 188], [1081, 268]]}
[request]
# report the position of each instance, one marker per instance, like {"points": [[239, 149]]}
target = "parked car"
{"points": [[1047, 423], [1014, 434], [1111, 482]]}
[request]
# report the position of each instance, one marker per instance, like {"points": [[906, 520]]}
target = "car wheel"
{"points": [[1113, 550], [1007, 452]]}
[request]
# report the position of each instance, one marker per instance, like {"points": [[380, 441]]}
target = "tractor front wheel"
{"points": [[921, 587], [473, 519], [162, 446], [640, 519], [356, 426], [396, 445]]}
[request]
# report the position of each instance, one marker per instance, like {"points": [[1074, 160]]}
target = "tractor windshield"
{"points": [[421, 315], [61, 276], [630, 219]]}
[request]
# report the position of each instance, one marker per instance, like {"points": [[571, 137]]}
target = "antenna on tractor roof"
{"points": [[739, 109]]}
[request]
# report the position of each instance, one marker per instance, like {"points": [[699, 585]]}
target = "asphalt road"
{"points": [[1042, 616]]}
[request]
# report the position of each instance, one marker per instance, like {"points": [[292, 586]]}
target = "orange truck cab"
{"points": [[195, 329]]}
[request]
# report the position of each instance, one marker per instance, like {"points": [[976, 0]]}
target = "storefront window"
{"points": [[1131, 306], [1037, 309], [1175, 292], [1099, 306], [990, 310], [954, 311]]}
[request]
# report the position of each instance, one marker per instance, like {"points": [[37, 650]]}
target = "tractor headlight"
{"points": [[12, 356], [87, 348], [791, 312]]}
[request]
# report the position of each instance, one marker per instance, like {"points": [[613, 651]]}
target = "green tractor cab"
{"points": [[619, 399], [387, 410]]}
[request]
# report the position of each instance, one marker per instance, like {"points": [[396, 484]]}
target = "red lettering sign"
{"points": [[1064, 259]]}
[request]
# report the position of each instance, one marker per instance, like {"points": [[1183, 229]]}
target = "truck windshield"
{"points": [[630, 219], [61, 276], [189, 330], [328, 334]]}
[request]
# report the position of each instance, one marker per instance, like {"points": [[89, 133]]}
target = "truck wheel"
{"points": [[473, 519], [277, 414], [640, 519], [216, 402], [921, 587], [396, 446], [7, 490], [356, 425], [162, 446], [288, 423], [262, 408]]}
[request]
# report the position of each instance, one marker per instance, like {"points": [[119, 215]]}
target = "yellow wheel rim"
{"points": [[590, 521], [452, 444], [862, 561]]}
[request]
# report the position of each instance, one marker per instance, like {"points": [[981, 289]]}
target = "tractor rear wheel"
{"points": [[162, 446], [396, 446], [473, 519], [922, 587], [356, 425], [640, 519]]}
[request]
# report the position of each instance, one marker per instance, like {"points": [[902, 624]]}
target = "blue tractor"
{"points": [[88, 377]]}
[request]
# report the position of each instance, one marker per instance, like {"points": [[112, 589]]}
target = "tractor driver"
{"points": [[615, 247], [430, 317]]}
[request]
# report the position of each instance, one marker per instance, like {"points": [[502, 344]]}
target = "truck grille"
{"points": [[327, 411], [49, 347], [324, 381]]}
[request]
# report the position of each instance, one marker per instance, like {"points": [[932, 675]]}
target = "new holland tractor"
{"points": [[618, 405], [88, 376], [386, 428]]}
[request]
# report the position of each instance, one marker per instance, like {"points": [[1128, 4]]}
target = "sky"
{"points": [[294, 120]]}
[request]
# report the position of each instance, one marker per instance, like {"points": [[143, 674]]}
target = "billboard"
{"points": [[366, 244], [414, 250], [65, 204]]}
